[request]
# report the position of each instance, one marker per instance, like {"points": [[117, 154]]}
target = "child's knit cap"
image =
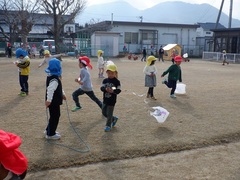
{"points": [[54, 67], [10, 156]]}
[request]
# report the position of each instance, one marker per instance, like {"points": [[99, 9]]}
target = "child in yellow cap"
{"points": [[48, 56], [100, 64], [111, 87], [150, 72]]}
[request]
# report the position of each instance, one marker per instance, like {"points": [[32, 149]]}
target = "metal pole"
{"points": [[219, 14], [230, 14]]}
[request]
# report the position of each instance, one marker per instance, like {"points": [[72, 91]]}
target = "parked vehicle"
{"points": [[49, 44]]}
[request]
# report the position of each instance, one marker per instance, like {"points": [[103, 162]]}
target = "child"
{"points": [[110, 87], [24, 70], [85, 84], [48, 56], [174, 75], [13, 163], [34, 51], [76, 51], [224, 57], [173, 55], [100, 64], [144, 52], [54, 97], [150, 72]]}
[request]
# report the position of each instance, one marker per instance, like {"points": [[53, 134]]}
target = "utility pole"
{"points": [[230, 14]]}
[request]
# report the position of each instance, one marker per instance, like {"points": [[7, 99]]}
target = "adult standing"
{"points": [[144, 53], [160, 53]]}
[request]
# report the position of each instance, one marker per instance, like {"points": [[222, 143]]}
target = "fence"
{"points": [[218, 56]]}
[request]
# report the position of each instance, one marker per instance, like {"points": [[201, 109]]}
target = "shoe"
{"points": [[153, 98], [114, 121], [45, 132], [76, 109], [172, 96], [22, 94], [148, 95], [107, 129], [164, 81], [54, 137]]}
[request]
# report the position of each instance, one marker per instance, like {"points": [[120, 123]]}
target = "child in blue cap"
{"points": [[54, 97], [24, 69]]}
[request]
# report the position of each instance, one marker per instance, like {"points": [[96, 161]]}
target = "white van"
{"points": [[46, 43]]}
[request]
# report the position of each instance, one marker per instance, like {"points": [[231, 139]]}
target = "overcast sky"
{"points": [[143, 4]]}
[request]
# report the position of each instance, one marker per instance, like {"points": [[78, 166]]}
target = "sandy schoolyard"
{"points": [[199, 139]]}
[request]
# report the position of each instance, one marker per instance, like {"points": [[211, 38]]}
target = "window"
{"points": [[130, 38]]}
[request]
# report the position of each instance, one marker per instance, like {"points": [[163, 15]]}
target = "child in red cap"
{"points": [[174, 75], [84, 80], [13, 163]]}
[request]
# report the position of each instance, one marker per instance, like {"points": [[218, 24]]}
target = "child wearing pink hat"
{"points": [[13, 163], [174, 74]]}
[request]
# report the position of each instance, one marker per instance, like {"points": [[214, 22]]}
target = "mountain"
{"points": [[166, 12]]}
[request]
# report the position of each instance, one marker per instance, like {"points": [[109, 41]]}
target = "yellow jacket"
{"points": [[24, 66]]}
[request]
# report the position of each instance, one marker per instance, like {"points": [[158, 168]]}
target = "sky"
{"points": [[144, 4]]}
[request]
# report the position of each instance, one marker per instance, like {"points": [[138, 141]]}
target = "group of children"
{"points": [[174, 75]]}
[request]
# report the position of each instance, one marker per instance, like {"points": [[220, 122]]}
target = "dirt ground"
{"points": [[199, 139]]}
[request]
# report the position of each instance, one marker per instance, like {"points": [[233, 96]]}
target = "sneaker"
{"points": [[22, 94], [107, 129], [76, 109], [54, 137], [172, 96], [45, 132], [164, 81], [114, 121], [154, 98]]}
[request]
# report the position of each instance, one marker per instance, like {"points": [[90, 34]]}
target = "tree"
{"points": [[19, 17], [62, 12]]}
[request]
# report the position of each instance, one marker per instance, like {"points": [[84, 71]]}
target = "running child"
{"points": [[174, 74], [85, 84]]}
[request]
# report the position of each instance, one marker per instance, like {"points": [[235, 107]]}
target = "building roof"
{"points": [[169, 46], [151, 24], [226, 30], [208, 26]]}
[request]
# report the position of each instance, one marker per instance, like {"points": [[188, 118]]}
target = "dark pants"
{"points": [[144, 57], [150, 91], [171, 84], [54, 112], [90, 94], [173, 60], [161, 57], [23, 80], [107, 111]]}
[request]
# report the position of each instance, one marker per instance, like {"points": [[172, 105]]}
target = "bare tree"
{"points": [[19, 17], [62, 12]]}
